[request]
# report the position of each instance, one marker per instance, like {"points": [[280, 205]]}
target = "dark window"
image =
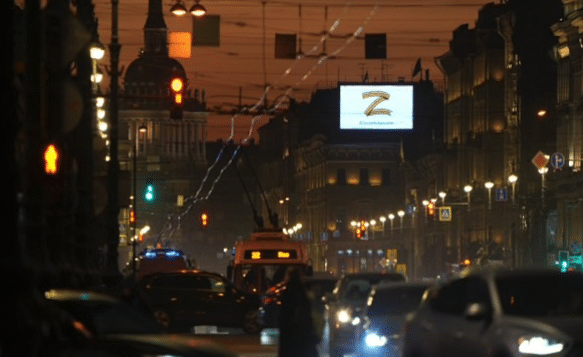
{"points": [[541, 295], [341, 176], [396, 301], [450, 299], [386, 178], [364, 177]]}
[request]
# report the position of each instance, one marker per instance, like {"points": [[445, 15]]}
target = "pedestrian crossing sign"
{"points": [[445, 214]]}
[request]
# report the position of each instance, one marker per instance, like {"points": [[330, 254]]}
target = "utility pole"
{"points": [[112, 269]]}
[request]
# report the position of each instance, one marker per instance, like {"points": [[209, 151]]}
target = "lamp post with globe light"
{"points": [[383, 219], [489, 185], [468, 190], [512, 181]]}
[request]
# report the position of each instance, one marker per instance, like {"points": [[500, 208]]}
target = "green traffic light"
{"points": [[149, 193]]}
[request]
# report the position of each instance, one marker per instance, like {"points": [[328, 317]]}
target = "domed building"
{"points": [[169, 153]]}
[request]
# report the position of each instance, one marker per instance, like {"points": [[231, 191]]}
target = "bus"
{"points": [[263, 260]]}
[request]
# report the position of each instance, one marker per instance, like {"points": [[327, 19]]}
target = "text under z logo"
{"points": [[372, 108]]}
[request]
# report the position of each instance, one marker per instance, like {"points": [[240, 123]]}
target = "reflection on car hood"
{"points": [[184, 344], [571, 326]]}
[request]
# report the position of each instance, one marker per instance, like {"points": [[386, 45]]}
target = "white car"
{"points": [[500, 313]]}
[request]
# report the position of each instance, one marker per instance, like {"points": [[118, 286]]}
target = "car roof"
{"points": [[400, 284], [79, 294], [367, 275]]}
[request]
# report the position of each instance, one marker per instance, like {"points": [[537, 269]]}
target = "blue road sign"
{"points": [[445, 213], [502, 194], [557, 160]]}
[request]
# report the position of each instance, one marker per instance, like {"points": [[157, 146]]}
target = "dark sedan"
{"points": [[97, 324], [345, 306], [381, 332], [508, 313], [184, 299]]}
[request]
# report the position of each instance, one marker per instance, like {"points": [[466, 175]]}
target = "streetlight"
{"points": [[542, 171], [142, 130], [442, 195], [179, 9], [468, 190], [512, 180], [489, 186], [372, 224], [391, 217], [425, 203], [401, 213], [383, 219]]}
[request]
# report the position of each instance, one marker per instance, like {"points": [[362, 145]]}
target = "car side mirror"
{"points": [[477, 311]]}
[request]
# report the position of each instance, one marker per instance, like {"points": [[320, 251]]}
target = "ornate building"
{"points": [[169, 154]]}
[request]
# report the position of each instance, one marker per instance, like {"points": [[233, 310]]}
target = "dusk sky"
{"points": [[245, 58]]}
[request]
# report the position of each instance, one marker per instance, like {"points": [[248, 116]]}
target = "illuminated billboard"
{"points": [[376, 107]]}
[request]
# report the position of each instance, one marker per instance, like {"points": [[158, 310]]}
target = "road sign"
{"points": [[445, 214], [557, 160], [540, 160], [392, 254], [401, 268], [501, 194]]}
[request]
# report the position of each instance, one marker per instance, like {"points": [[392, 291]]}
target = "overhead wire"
{"points": [[194, 199]]}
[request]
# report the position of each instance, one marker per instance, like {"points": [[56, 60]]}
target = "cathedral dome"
{"points": [[151, 75]]}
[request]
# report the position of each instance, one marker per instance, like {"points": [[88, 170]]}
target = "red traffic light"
{"points": [[52, 158], [431, 209], [132, 216], [177, 85], [204, 219]]}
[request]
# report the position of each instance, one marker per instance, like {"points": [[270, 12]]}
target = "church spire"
{"points": [[155, 30]]}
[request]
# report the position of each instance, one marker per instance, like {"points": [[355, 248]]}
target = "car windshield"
{"points": [[395, 301], [546, 295], [357, 288], [110, 318]]}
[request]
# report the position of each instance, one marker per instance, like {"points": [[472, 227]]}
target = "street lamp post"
{"points": [[142, 130], [468, 190], [512, 180], [401, 213], [383, 219], [442, 195], [391, 218], [112, 268], [489, 186], [372, 224]]}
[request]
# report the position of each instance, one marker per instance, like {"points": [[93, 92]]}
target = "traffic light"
{"points": [[564, 260], [149, 194], [431, 209], [52, 159], [204, 220], [358, 233], [177, 88], [132, 217]]}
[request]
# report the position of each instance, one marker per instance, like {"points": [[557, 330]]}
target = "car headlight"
{"points": [[343, 316], [374, 340], [539, 345]]}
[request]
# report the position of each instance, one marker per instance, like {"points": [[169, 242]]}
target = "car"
{"points": [[387, 305], [181, 300], [271, 300], [161, 260], [345, 305], [500, 312], [94, 323]]}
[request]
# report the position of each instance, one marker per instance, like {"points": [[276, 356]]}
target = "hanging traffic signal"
{"points": [[358, 233], [204, 220], [149, 194], [177, 88], [431, 209], [132, 216], [52, 159]]}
